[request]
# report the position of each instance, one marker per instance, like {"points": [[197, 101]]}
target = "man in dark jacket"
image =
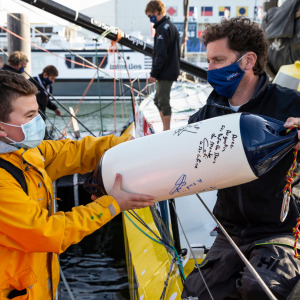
{"points": [[250, 213], [16, 62], [165, 58], [43, 82]]}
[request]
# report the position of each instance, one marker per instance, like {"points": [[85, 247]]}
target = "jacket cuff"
{"points": [[110, 203]]}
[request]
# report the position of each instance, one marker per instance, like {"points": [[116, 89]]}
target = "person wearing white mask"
{"points": [[31, 233]]}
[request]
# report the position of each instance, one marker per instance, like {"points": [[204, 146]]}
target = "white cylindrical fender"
{"points": [[199, 157]]}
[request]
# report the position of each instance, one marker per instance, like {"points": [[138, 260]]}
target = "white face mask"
{"points": [[34, 132]]}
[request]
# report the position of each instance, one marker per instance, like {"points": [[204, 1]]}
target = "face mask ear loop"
{"points": [[6, 137]]}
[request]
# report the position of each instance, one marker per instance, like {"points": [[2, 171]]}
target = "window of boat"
{"points": [[83, 63]]}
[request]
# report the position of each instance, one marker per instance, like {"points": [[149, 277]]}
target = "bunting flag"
{"points": [[242, 11], [258, 12], [171, 11], [193, 12], [224, 11], [142, 126], [206, 11]]}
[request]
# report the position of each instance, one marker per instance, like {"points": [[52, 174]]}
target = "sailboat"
{"points": [[157, 263]]}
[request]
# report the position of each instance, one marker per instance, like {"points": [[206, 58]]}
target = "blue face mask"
{"points": [[153, 19], [34, 132], [48, 81], [21, 70], [226, 80]]}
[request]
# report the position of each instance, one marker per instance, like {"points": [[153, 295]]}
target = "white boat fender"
{"points": [[212, 154]]}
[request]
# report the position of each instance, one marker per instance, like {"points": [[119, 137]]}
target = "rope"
{"points": [[290, 176], [296, 234], [158, 240]]}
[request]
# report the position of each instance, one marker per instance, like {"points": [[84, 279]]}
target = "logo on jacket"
{"points": [[160, 37]]}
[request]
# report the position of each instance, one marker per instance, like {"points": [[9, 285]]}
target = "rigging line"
{"points": [[30, 10], [131, 83], [45, 50], [42, 113], [169, 248], [49, 94], [241, 255], [190, 247], [86, 91], [66, 59], [163, 294], [139, 219]]}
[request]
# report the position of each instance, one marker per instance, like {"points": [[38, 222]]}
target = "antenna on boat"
{"points": [[98, 27]]}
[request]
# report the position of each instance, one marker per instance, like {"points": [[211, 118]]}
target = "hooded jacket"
{"points": [[166, 52], [252, 210], [29, 231]]}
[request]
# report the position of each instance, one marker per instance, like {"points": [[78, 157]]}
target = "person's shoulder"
{"points": [[285, 91]]}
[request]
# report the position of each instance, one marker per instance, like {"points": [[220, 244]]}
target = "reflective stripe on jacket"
{"points": [[27, 233]]}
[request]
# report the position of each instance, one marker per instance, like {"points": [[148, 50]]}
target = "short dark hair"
{"points": [[155, 5], [17, 57], [12, 86], [243, 36], [50, 71]]}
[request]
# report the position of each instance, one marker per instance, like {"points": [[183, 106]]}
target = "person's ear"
{"points": [[251, 59], [2, 131]]}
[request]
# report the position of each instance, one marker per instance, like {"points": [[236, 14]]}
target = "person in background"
{"points": [[31, 233], [250, 213], [43, 82], [165, 58], [16, 62]]}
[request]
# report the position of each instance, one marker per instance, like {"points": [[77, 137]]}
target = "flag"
{"points": [[206, 11], [224, 11], [193, 12], [142, 126], [242, 11], [258, 12], [171, 11]]}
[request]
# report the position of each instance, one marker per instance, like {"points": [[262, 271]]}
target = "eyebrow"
{"points": [[30, 112]]}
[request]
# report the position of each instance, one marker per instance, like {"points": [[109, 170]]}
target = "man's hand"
{"points": [[126, 200], [151, 79], [289, 123], [58, 112]]}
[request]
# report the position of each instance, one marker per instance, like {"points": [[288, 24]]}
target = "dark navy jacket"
{"points": [[42, 96], [252, 210], [166, 51]]}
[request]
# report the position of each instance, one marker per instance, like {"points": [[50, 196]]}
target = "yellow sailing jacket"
{"points": [[29, 234]]}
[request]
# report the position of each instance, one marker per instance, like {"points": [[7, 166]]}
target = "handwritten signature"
{"points": [[179, 184]]}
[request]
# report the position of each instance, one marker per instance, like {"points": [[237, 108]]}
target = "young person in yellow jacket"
{"points": [[30, 233]]}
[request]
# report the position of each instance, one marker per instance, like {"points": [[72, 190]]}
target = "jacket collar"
{"points": [[219, 101], [165, 18], [7, 148]]}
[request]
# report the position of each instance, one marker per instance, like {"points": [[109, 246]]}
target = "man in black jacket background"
{"points": [[16, 62], [165, 58], [250, 213], [43, 83]]}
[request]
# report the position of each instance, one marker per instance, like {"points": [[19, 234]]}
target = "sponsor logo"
{"points": [[233, 75]]}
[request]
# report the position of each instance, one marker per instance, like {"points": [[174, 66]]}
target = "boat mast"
{"points": [[99, 28], [186, 5]]}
